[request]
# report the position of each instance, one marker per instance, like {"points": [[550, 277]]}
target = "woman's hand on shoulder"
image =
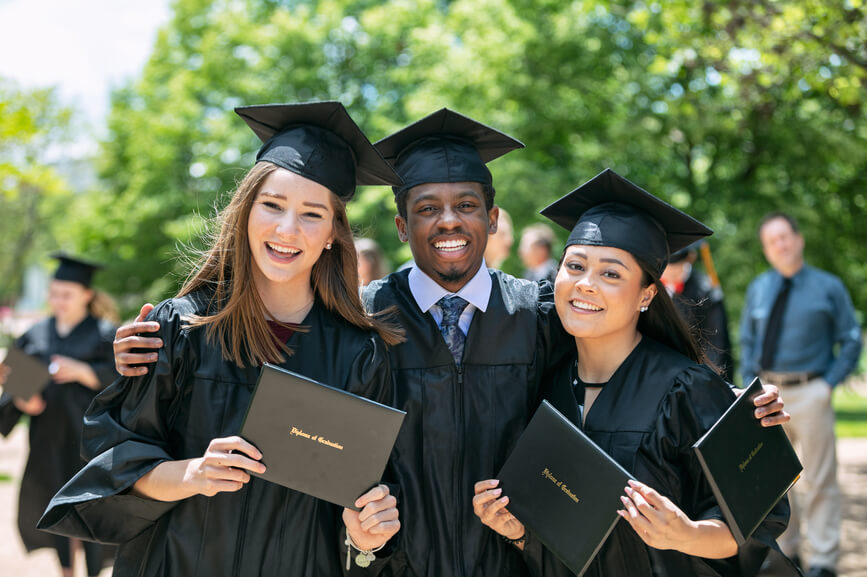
{"points": [[490, 507], [128, 337], [376, 522]]}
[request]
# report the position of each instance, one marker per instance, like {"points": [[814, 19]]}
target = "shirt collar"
{"points": [[427, 292], [796, 278]]}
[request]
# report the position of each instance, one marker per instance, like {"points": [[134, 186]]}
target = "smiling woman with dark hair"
{"points": [[638, 388]]}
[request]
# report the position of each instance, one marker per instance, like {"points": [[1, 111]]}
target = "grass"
{"points": [[851, 410]]}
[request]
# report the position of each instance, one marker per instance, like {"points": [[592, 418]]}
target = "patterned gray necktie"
{"points": [[452, 308]]}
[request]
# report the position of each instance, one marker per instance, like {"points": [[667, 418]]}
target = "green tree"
{"points": [[33, 128], [726, 109]]}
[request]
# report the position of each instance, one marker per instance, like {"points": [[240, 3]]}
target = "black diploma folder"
{"points": [[563, 487], [28, 375], [316, 439], [749, 467]]}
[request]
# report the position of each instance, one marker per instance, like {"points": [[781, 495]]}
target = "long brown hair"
{"points": [[102, 306], [236, 316]]}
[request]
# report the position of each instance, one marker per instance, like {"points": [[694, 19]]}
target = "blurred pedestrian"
{"points": [[500, 243], [77, 342], [535, 250], [699, 299], [798, 332], [372, 264]]}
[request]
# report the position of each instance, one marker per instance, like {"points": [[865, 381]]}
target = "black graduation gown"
{"points": [[189, 397], [55, 435], [647, 417], [462, 424], [701, 304]]}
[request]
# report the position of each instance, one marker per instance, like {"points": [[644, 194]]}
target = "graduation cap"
{"points": [[679, 255], [74, 269], [609, 210], [445, 147], [319, 141]]}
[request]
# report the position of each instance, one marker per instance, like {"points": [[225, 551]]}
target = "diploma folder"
{"points": [[316, 439], [563, 488], [749, 467], [28, 375]]}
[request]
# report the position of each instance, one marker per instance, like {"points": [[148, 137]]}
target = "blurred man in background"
{"points": [[500, 243], [798, 332], [535, 250]]}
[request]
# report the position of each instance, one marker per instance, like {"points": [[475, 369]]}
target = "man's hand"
{"points": [[769, 406], [126, 338]]}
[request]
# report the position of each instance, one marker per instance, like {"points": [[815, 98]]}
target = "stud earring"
{"points": [[328, 246], [644, 309]]}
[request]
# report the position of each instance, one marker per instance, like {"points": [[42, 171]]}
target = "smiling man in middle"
{"points": [[478, 342]]}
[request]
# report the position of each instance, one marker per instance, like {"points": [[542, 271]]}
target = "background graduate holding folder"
{"points": [[639, 388], [75, 343], [168, 479]]}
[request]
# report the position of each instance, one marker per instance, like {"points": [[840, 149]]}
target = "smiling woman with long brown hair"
{"points": [[168, 479]]}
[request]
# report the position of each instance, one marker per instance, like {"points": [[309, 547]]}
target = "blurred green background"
{"points": [[725, 109]]}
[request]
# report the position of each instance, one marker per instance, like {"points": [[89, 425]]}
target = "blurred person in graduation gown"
{"points": [[637, 388], [535, 250], [500, 243], [76, 343], [699, 299], [168, 479], [372, 264], [469, 374]]}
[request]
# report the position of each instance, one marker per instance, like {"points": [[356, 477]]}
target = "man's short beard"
{"points": [[452, 276]]}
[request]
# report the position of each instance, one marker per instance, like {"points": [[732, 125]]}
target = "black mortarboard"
{"points": [[608, 210], [679, 255], [319, 141], [445, 147], [74, 269]]}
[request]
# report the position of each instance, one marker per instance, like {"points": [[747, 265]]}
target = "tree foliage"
{"points": [[727, 109], [33, 196]]}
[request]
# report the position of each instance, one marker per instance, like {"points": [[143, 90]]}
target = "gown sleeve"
{"points": [[125, 435], [370, 377], [697, 400]]}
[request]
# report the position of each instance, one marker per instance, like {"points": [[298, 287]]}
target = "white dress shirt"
{"points": [[427, 293]]}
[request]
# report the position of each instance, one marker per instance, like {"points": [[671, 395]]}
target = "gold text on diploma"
{"points": [[550, 476], [296, 432], [753, 453]]}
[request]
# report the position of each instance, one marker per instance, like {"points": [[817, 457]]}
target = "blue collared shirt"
{"points": [[426, 292], [819, 316]]}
